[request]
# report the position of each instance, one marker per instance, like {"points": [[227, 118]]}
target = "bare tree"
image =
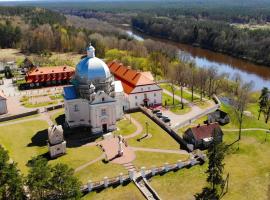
{"points": [[180, 73], [212, 75], [240, 102], [203, 77], [192, 76]]}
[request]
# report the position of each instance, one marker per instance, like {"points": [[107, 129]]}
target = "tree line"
{"points": [[43, 182], [246, 43]]}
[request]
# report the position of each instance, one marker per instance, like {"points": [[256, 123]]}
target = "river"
{"points": [[249, 71]]}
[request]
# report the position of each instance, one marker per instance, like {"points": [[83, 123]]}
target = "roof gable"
{"points": [[130, 78], [205, 131]]}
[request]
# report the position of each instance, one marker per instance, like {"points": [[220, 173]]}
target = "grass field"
{"points": [[130, 192], [19, 140], [99, 170], [186, 95], [159, 140], [124, 127], [149, 159]]}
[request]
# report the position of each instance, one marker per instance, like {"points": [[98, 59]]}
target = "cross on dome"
{"points": [[90, 51]]}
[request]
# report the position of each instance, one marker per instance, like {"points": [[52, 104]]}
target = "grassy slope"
{"points": [[160, 139], [129, 191], [249, 167], [149, 159], [99, 170], [17, 140]]}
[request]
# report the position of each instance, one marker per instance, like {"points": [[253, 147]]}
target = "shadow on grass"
{"points": [[39, 139]]}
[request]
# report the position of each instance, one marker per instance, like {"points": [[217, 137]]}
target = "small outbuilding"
{"points": [[200, 137], [56, 143], [3, 103], [218, 116]]}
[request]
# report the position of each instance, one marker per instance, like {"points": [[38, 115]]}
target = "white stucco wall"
{"points": [[3, 107], [151, 92]]}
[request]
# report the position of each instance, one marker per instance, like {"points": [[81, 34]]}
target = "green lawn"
{"points": [[167, 100], [182, 184], [22, 118], [149, 159], [76, 157], [99, 170], [248, 122], [249, 170], [179, 111], [28, 139], [159, 140], [130, 192], [125, 127], [186, 95], [17, 140], [56, 115]]}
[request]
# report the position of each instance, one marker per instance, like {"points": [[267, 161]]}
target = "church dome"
{"points": [[91, 68]]}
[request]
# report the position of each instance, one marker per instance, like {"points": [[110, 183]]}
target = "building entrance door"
{"points": [[104, 128]]}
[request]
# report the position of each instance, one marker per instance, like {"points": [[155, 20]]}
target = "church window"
{"points": [[149, 88], [155, 94], [103, 112], [141, 89], [76, 108], [135, 97], [136, 104], [103, 99], [145, 96], [155, 101]]}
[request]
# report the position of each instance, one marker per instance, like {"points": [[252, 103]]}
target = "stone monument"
{"points": [[56, 142]]}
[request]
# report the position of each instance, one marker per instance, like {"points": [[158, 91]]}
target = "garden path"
{"points": [[89, 163]]}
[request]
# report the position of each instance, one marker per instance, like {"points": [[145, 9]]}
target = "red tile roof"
{"points": [[50, 70], [204, 131], [130, 78]]}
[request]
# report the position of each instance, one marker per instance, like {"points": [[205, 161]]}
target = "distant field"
{"points": [[252, 26]]}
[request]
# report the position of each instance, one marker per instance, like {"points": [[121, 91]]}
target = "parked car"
{"points": [[159, 114], [155, 111], [166, 119]]}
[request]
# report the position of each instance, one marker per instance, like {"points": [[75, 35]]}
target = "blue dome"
{"points": [[90, 69]]}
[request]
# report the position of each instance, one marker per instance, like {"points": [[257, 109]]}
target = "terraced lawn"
{"points": [[149, 159], [99, 170], [130, 192], [159, 140]]}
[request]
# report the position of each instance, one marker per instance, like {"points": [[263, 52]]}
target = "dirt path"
{"points": [[139, 128], [89, 163]]}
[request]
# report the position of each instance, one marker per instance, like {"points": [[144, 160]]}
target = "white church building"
{"points": [[99, 93]]}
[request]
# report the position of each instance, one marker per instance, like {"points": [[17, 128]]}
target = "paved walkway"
{"points": [[178, 119], [89, 163], [159, 150], [139, 128], [111, 147]]}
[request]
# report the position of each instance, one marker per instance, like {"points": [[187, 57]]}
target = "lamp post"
{"points": [[146, 124]]}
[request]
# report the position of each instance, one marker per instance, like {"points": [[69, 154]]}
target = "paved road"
{"points": [[178, 119]]}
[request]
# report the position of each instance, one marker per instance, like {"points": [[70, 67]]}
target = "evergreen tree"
{"points": [[64, 184], [263, 101], [38, 179], [215, 154], [11, 185]]}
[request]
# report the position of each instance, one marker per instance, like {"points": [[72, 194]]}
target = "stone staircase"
{"points": [[146, 189], [129, 166]]}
